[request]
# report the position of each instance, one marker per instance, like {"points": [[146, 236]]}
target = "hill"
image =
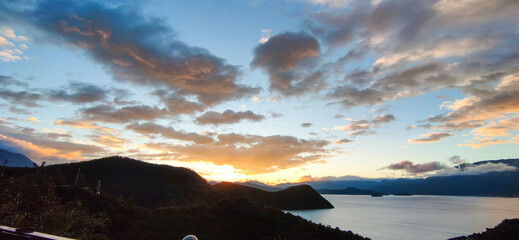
{"points": [[349, 191], [293, 198], [260, 185], [148, 185], [34, 197], [10, 159], [506, 230]]}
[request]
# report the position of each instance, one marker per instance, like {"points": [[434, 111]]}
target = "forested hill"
{"points": [[30, 197], [148, 185], [152, 185], [292, 198]]}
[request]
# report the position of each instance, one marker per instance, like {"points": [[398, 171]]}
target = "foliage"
{"points": [[31, 201], [292, 198], [193, 207]]}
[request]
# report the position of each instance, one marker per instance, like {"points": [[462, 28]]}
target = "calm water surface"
{"points": [[413, 217]]}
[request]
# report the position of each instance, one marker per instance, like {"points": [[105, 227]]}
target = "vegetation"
{"points": [[292, 198], [47, 200], [31, 201], [506, 230]]}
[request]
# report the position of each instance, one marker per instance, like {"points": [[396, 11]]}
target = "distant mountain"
{"points": [[10, 159], [503, 183], [260, 185], [293, 198], [349, 191]]}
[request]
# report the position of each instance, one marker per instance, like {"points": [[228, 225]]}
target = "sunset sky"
{"points": [[275, 91]]}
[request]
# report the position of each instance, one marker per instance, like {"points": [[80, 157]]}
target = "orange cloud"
{"points": [[38, 152], [83, 125]]}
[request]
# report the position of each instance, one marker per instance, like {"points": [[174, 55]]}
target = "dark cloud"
{"points": [[78, 92], [227, 117], [152, 129], [24, 98], [384, 118], [412, 168], [177, 104], [106, 113], [284, 57], [343, 141], [456, 160], [364, 127], [305, 125], [338, 29], [350, 96], [134, 48], [431, 137], [8, 81]]}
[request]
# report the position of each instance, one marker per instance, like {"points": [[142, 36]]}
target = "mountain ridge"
{"points": [[12, 159]]}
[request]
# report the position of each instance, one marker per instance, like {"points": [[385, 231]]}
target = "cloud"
{"points": [[45, 146], [227, 117], [430, 137], [9, 33], [151, 129], [134, 48], [25, 98], [33, 119], [10, 51], [384, 118], [8, 81], [305, 125], [265, 35], [414, 169], [471, 169], [283, 57], [493, 112], [456, 160], [109, 114], [78, 92], [177, 104], [343, 141], [251, 154], [110, 141], [417, 46], [486, 142], [306, 178], [363, 127], [82, 124]]}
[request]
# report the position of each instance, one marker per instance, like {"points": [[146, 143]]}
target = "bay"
{"points": [[413, 217]]}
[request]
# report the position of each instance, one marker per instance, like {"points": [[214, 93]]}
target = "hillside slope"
{"points": [[293, 198], [148, 185], [11, 159]]}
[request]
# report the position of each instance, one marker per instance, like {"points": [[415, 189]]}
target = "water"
{"points": [[413, 217]]}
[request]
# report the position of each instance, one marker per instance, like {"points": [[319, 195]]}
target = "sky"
{"points": [[273, 91]]}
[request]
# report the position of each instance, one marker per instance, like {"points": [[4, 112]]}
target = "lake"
{"points": [[413, 217]]}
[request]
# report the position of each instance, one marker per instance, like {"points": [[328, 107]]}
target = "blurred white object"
{"points": [[190, 237]]}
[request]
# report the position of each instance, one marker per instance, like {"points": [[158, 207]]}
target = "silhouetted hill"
{"points": [[260, 185], [506, 230], [148, 185], [31, 198], [349, 191], [293, 198], [11, 159]]}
